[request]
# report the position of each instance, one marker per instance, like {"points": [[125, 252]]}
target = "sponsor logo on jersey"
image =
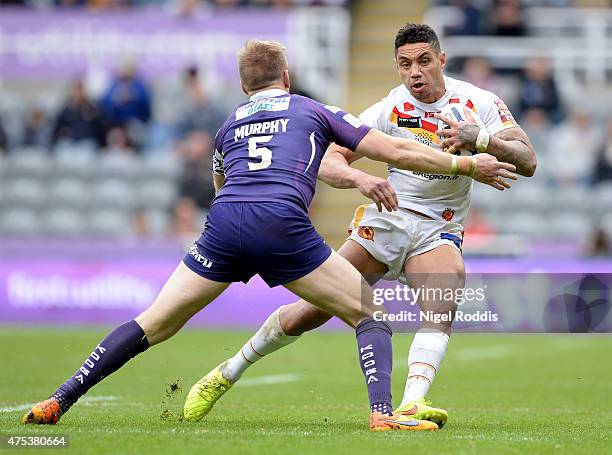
{"points": [[264, 104], [413, 122], [424, 131], [195, 253], [504, 113], [435, 176], [448, 214], [366, 232]]}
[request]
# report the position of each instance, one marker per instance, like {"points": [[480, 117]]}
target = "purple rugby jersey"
{"points": [[270, 149]]}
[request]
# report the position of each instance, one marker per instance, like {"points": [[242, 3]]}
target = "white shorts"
{"points": [[394, 237]]}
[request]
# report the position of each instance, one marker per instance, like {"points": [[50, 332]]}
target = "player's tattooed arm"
{"points": [[510, 145], [337, 172], [468, 134], [513, 146]]}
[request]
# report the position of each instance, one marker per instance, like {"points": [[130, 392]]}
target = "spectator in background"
{"points": [[79, 119], [539, 90], [228, 3], [186, 8], [140, 226], [69, 3], [573, 148], [3, 140], [36, 130], [536, 124], [599, 245], [200, 112], [478, 71], [127, 102], [186, 222], [603, 165], [466, 22], [118, 141], [508, 19], [196, 181]]}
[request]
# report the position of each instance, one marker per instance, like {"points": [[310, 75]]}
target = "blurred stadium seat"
{"points": [[63, 222], [113, 193], [115, 165], [19, 222], [158, 222], [24, 192], [160, 166], [28, 162], [74, 165], [108, 223], [68, 192], [157, 194]]}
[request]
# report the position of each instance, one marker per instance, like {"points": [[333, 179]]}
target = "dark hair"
{"points": [[417, 33]]}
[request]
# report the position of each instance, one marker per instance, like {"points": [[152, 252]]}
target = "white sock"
{"points": [[268, 339], [426, 353]]}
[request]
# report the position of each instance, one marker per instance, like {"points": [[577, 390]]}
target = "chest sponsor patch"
{"points": [[423, 130], [413, 122], [264, 104]]}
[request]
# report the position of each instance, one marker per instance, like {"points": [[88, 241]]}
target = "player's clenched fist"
{"points": [[492, 172], [379, 190]]}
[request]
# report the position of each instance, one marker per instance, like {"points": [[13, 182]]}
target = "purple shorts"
{"points": [[242, 239]]}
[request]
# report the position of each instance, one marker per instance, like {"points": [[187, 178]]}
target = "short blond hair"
{"points": [[261, 63]]}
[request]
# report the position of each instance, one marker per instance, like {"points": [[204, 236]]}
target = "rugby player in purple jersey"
{"points": [[267, 156]]}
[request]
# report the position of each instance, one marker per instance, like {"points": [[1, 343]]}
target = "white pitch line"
{"points": [[26, 406], [249, 382], [268, 380]]}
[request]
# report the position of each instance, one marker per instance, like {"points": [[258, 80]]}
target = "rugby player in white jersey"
{"points": [[419, 238]]}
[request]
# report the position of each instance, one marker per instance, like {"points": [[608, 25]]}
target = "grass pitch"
{"points": [[504, 393]]}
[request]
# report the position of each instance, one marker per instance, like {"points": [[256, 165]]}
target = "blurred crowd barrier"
{"points": [[107, 118], [182, 7]]}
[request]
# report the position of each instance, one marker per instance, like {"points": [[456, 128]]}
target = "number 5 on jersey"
{"points": [[264, 152]]}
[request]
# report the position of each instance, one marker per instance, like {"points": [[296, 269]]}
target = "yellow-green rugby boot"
{"points": [[204, 394], [421, 410]]}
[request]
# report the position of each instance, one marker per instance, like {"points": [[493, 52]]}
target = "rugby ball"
{"points": [[456, 112]]}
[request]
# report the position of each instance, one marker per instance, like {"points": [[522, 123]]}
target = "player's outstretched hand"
{"points": [[379, 191], [492, 172]]}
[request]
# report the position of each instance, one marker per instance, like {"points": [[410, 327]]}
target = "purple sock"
{"points": [[376, 360], [119, 346]]}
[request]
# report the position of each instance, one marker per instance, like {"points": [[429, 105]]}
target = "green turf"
{"points": [[504, 393]]}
